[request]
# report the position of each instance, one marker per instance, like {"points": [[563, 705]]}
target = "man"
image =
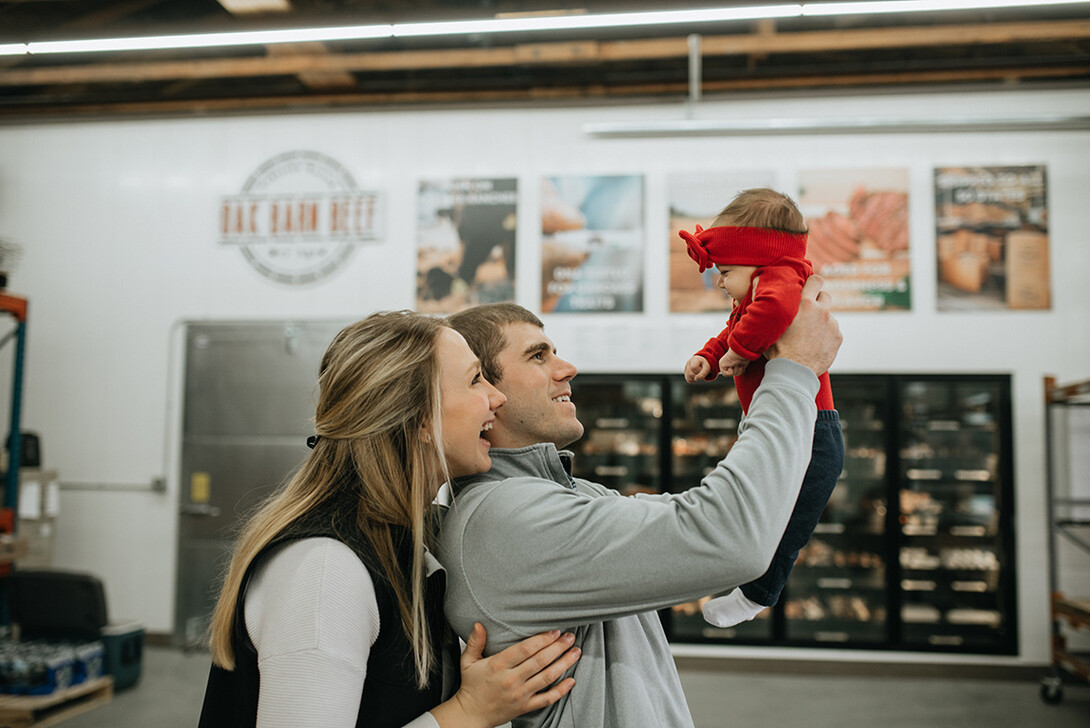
{"points": [[528, 548]]}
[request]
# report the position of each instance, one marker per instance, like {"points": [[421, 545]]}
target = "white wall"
{"points": [[119, 224]]}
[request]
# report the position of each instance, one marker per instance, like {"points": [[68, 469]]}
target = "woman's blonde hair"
{"points": [[379, 437]]}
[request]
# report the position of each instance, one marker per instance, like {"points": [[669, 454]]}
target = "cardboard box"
{"points": [[965, 271], [40, 538], [1028, 270], [39, 505]]}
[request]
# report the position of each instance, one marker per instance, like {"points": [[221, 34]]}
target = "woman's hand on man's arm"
{"points": [[517, 680]]}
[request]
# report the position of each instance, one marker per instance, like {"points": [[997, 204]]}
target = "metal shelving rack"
{"points": [[17, 308], [1068, 517]]}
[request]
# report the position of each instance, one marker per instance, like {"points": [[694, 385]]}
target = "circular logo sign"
{"points": [[299, 217]]}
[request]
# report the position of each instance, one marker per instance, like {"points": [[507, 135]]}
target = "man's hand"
{"points": [[814, 337]]}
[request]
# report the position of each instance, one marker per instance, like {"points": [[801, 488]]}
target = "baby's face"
{"points": [[735, 279]]}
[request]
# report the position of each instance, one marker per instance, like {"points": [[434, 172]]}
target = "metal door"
{"points": [[249, 396]]}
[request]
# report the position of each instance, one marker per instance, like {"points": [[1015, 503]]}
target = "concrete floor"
{"points": [[171, 688]]}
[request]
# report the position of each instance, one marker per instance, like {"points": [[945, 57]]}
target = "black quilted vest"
{"points": [[390, 695]]}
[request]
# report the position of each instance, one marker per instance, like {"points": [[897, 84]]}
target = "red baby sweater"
{"points": [[757, 322]]}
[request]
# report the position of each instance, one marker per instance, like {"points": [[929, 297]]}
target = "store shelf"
{"points": [[16, 307], [1066, 496], [1075, 611], [12, 548]]}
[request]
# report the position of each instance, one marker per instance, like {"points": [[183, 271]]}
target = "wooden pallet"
{"points": [[39, 711]]}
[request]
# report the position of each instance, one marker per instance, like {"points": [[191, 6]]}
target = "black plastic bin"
{"points": [[64, 605]]}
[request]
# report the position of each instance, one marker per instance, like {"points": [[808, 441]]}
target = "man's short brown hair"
{"points": [[482, 326]]}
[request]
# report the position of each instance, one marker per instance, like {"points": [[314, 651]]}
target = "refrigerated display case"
{"points": [[838, 592], [623, 446], [704, 419], [913, 552], [956, 560]]}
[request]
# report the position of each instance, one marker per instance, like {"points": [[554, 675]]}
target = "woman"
{"points": [[331, 612]]}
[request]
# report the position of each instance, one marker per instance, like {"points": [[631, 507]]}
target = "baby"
{"points": [[758, 246]]}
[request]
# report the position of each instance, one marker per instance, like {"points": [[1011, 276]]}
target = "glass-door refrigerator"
{"points": [[838, 592], [956, 557], [623, 443], [915, 550], [703, 425]]}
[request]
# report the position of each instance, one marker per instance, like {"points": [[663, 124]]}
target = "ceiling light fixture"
{"points": [[252, 7], [847, 125], [542, 23]]}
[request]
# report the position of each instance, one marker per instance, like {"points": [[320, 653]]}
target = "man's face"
{"points": [[537, 384]]}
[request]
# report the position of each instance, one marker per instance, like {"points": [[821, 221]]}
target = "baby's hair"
{"points": [[763, 208]]}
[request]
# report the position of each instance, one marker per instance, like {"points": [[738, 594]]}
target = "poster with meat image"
{"points": [[696, 199], [991, 238], [858, 221]]}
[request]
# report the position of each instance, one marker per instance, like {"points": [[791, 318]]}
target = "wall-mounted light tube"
{"points": [[850, 125], [917, 6], [547, 23]]}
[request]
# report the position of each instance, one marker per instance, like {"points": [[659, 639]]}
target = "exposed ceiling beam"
{"points": [[593, 91], [321, 80], [761, 42]]}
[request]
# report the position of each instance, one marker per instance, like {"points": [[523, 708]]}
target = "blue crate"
{"points": [[90, 661]]}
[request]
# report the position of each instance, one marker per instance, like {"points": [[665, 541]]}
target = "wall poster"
{"points": [[592, 242], [858, 221], [466, 230], [992, 238], [696, 199]]}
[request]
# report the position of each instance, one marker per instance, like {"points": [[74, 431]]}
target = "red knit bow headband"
{"points": [[729, 245]]}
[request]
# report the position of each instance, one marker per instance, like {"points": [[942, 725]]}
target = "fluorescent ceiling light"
{"points": [[609, 20], [822, 125], [206, 40], [544, 23], [246, 7], [915, 6]]}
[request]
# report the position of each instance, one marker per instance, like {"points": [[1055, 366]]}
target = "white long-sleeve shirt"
{"points": [[312, 615]]}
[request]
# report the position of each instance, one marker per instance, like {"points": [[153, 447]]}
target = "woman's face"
{"points": [[469, 405]]}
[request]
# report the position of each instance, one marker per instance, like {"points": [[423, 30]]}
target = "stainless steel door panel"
{"points": [[253, 379], [206, 562], [227, 481], [249, 402]]}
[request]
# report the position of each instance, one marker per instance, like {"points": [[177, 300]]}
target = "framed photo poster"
{"points": [[858, 221], [991, 238], [465, 254], [696, 199], [592, 240]]}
